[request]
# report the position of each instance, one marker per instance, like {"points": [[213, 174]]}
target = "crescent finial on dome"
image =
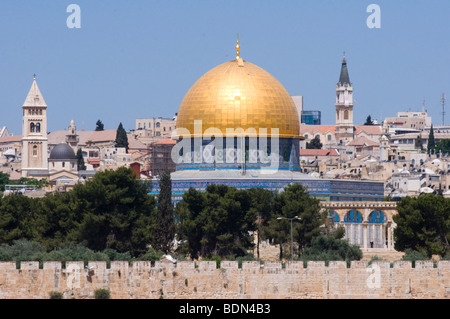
{"points": [[237, 47]]}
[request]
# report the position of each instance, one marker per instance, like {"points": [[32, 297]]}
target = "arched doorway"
{"points": [[376, 229], [353, 226]]}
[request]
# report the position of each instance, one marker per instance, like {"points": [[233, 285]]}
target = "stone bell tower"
{"points": [[34, 135], [344, 106]]}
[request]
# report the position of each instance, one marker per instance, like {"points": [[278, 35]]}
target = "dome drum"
{"points": [[237, 153]]}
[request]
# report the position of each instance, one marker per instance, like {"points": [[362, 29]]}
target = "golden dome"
{"points": [[238, 94]]}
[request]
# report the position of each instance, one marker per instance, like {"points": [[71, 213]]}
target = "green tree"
{"points": [[188, 212], [294, 201], [331, 247], [368, 120], [117, 212], [261, 206], [418, 143], [57, 218], [121, 137], [431, 142], [17, 218], [4, 180], [80, 160], [443, 147], [217, 222], [99, 126], [423, 224], [314, 143], [165, 219]]}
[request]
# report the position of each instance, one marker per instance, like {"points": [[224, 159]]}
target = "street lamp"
{"points": [[292, 239]]}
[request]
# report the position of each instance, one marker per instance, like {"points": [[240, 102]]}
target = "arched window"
{"points": [[35, 150], [158, 124], [32, 127], [38, 127], [353, 216], [334, 217], [377, 217], [346, 115]]}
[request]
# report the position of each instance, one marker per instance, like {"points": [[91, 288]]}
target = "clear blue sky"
{"points": [[137, 59]]}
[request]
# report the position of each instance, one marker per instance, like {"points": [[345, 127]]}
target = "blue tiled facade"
{"points": [[325, 190]]}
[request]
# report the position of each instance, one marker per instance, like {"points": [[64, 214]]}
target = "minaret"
{"points": [[34, 134], [344, 106]]}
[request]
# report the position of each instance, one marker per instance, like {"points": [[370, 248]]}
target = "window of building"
{"points": [[32, 127], [346, 115], [158, 124], [38, 127], [35, 150]]}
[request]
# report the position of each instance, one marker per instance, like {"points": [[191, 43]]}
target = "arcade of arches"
{"points": [[367, 224]]}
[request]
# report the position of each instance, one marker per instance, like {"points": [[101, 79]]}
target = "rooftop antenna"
{"points": [[443, 104]]}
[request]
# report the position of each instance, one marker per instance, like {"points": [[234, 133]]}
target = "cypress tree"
{"points": [[121, 137], [165, 219], [431, 143], [80, 161]]}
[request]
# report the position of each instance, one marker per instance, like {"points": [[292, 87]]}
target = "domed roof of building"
{"points": [[238, 94], [62, 151]]}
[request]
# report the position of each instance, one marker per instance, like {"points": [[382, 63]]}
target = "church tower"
{"points": [[344, 106], [72, 137], [34, 135]]}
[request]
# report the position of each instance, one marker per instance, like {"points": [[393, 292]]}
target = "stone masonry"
{"points": [[203, 280]]}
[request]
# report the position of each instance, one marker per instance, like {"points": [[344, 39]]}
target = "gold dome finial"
{"points": [[237, 47]]}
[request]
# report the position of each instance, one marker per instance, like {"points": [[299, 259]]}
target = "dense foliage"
{"points": [[165, 219], [423, 224], [99, 126], [113, 210], [314, 143], [113, 216], [216, 222], [331, 247], [293, 201]]}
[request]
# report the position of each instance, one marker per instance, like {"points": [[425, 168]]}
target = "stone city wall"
{"points": [[204, 280]]}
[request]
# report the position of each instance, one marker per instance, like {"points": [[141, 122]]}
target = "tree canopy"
{"points": [[369, 120], [99, 126], [80, 160], [423, 224], [165, 219], [314, 143], [113, 210], [121, 137], [294, 201], [216, 222]]}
